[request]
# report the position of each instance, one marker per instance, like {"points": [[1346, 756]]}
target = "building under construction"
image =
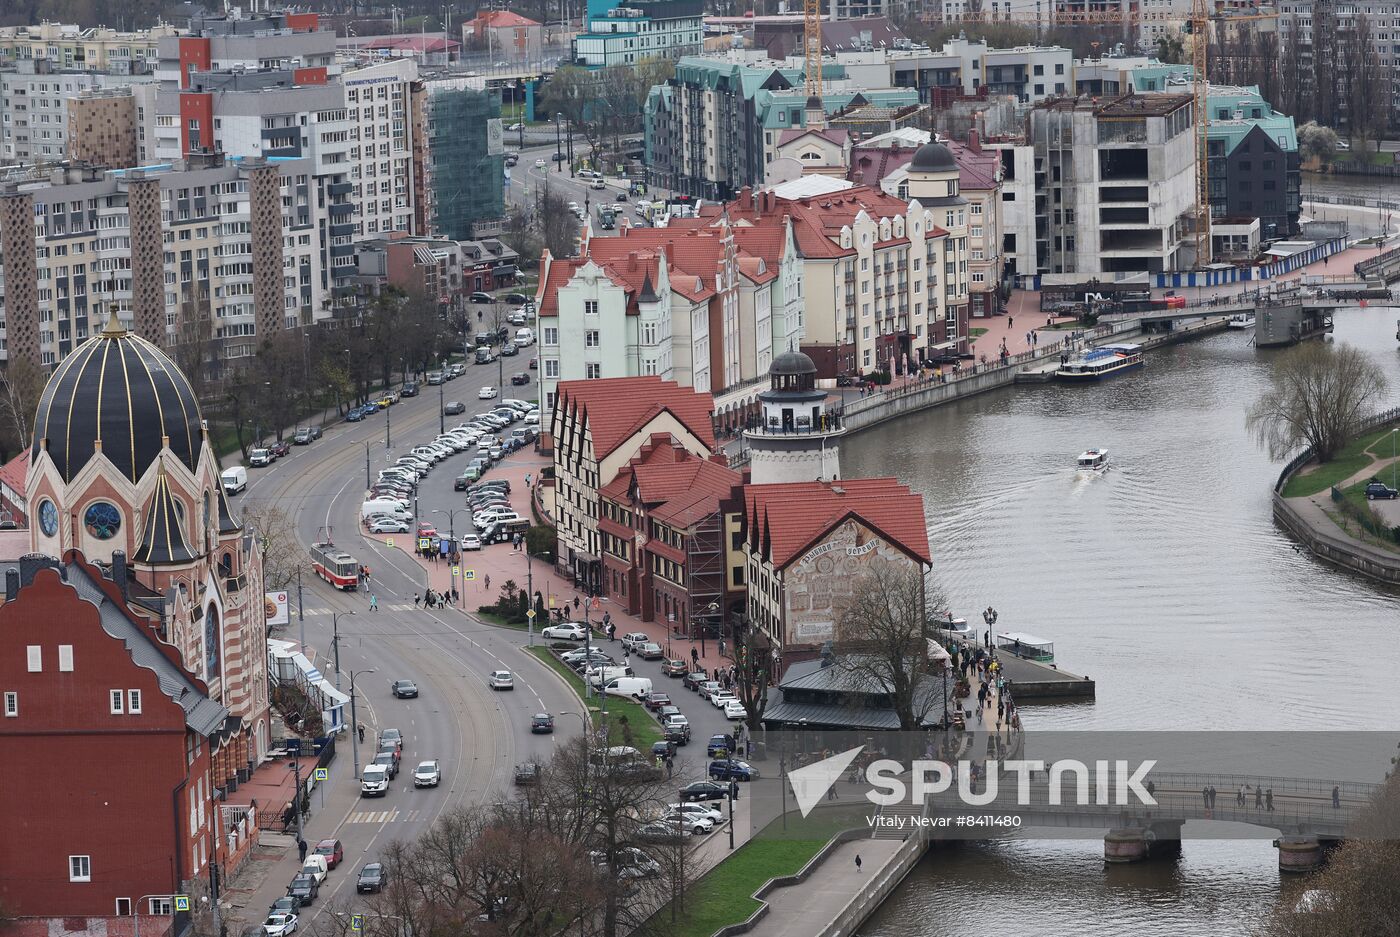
{"points": [[466, 163]]}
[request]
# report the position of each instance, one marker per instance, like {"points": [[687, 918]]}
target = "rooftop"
{"points": [[617, 408], [784, 519]]}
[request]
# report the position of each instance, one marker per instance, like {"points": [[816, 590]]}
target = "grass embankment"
{"points": [[724, 895], [1353, 458], [643, 728], [976, 333]]}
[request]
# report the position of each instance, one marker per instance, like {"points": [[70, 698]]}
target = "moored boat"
{"points": [[1241, 320], [1102, 362]]}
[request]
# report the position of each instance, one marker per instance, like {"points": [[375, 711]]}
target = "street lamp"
{"points": [[355, 722], [1392, 456], [367, 481], [335, 641], [582, 722], [442, 417]]}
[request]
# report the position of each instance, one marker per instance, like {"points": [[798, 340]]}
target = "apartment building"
{"points": [[1102, 187], [1334, 25], [600, 426], [96, 49], [1254, 167], [34, 96], [102, 128], [625, 32], [228, 249]]}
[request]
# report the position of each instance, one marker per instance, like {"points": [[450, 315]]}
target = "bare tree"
{"points": [[282, 553], [1368, 85], [881, 639], [558, 226], [1295, 80], [1318, 395], [23, 384], [752, 669]]}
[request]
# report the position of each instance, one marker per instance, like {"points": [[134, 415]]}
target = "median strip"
{"points": [[636, 725]]}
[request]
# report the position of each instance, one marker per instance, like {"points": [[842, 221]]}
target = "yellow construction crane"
{"points": [[812, 45]]}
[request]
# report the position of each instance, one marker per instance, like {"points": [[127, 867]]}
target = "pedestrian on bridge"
{"points": [[1336, 798], [1269, 799], [1205, 797], [1213, 792], [1239, 798], [1258, 797]]}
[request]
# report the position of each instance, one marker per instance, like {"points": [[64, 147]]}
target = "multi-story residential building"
{"points": [[662, 534], [1333, 26], [237, 247], [704, 303], [884, 160], [1102, 187], [716, 126], [379, 158], [808, 545], [34, 96], [597, 428], [625, 32], [96, 49], [423, 267], [884, 280], [1254, 168], [102, 128]]}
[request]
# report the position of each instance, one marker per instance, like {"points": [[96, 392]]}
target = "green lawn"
{"points": [[1353, 458], [643, 727], [976, 333], [724, 895]]}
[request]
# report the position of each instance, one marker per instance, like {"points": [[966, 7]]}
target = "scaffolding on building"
{"points": [[468, 160], [704, 564]]}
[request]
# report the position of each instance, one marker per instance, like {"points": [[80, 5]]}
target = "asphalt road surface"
{"points": [[476, 734]]}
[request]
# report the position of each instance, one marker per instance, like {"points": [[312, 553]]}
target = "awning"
{"points": [[505, 270], [941, 345]]}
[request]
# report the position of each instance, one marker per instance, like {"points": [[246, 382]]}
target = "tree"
{"points": [[1295, 80], [1316, 142], [1171, 49], [752, 669], [1318, 395], [1358, 891], [1368, 84], [881, 639], [22, 382], [558, 226], [282, 553]]}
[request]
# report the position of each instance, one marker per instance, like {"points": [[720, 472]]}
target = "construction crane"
{"points": [[812, 45]]}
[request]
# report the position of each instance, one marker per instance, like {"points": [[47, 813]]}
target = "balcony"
{"points": [[342, 209], [338, 188]]}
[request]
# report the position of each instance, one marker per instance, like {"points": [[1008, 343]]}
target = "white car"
{"points": [[695, 809], [388, 525], [486, 393], [734, 710], [533, 418], [541, 164], [502, 680], [569, 631], [720, 697], [470, 542], [279, 925], [427, 774]]}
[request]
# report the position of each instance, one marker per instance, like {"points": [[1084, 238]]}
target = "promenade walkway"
{"points": [[806, 909]]}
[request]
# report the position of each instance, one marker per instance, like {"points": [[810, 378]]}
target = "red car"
{"points": [[280, 448], [426, 530], [656, 700], [332, 850]]}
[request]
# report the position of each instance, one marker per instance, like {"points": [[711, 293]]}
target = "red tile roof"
{"points": [[15, 473], [785, 519], [561, 271], [676, 486], [502, 18], [616, 408]]}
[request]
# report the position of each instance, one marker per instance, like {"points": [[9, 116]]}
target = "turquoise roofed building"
{"points": [[715, 127], [625, 32], [1254, 167]]}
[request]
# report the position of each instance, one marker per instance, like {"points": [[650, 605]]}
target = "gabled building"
{"points": [[662, 524], [1255, 170], [599, 426], [807, 545]]}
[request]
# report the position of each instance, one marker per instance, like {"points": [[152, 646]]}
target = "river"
{"points": [[1167, 582]]}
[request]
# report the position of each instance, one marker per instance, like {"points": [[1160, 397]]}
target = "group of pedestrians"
{"points": [[431, 599]]}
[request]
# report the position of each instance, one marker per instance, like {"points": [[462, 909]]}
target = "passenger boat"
{"points": [[1093, 461], [1241, 320], [1102, 362]]}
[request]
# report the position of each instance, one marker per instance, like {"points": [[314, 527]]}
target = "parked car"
{"points": [[516, 299], [703, 790], [332, 851], [675, 668], [568, 631], [389, 762], [656, 700], [354, 416], [519, 378], [371, 879], [480, 297], [692, 680], [695, 808], [677, 733], [405, 689], [279, 925], [541, 724], [649, 651], [732, 769], [303, 436], [280, 448], [634, 639], [410, 389], [1380, 490], [258, 458], [734, 710], [470, 542], [388, 525], [718, 746], [427, 774], [304, 887]]}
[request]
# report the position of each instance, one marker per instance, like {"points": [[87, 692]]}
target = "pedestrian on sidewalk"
{"points": [[694, 656], [360, 729], [301, 850], [1010, 322], [373, 602], [576, 602], [858, 868], [721, 647], [1239, 798], [670, 767], [416, 599], [487, 581], [734, 790]]}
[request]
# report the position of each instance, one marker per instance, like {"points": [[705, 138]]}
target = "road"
{"points": [[528, 180], [477, 735]]}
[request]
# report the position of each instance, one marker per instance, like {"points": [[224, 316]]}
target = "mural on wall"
{"points": [[212, 639], [819, 585]]}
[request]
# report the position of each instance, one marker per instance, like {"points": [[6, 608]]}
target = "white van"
{"points": [[234, 479], [637, 688], [597, 184], [387, 506], [607, 675], [374, 781], [524, 337]]}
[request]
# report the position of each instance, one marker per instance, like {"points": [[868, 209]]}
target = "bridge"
{"points": [[1303, 813]]}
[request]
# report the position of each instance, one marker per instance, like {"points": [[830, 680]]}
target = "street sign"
{"points": [[389, 542], [530, 614], [468, 575], [456, 570], [323, 774], [182, 902], [357, 922], [425, 543], [551, 601]]}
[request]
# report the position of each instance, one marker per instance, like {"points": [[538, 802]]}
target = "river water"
{"points": [[1166, 581]]}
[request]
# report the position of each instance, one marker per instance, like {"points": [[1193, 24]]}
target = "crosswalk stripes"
{"points": [[372, 816], [384, 607], [411, 816]]}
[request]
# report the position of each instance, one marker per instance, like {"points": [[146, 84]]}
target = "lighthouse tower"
{"points": [[798, 439]]}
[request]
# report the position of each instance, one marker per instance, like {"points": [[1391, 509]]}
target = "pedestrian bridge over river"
{"points": [[1303, 811]]}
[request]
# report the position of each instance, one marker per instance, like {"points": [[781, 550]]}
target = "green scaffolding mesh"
{"points": [[467, 180]]}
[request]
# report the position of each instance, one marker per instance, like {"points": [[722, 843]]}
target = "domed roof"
{"points": [[933, 157], [814, 103], [792, 362], [119, 391]]}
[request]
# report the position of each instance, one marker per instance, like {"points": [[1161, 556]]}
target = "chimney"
{"points": [[631, 260], [11, 584], [974, 140], [858, 177], [119, 571]]}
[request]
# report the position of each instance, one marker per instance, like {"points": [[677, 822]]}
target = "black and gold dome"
{"points": [[118, 392]]}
